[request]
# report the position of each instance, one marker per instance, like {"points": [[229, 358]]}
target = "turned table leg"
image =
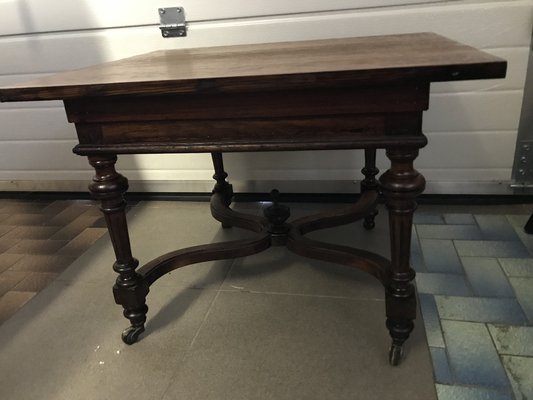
{"points": [[222, 186], [370, 183], [400, 184], [130, 290]]}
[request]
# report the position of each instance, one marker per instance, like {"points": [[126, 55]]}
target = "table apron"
{"points": [[357, 131], [276, 104]]}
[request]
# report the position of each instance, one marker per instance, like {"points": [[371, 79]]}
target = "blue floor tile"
{"points": [[523, 288], [491, 248], [449, 232], [417, 263], [513, 340], [417, 260], [445, 392], [520, 373], [517, 267], [526, 238], [459, 219], [440, 256], [518, 220], [427, 218], [480, 309], [496, 227], [472, 355], [430, 316], [487, 277], [439, 358], [444, 284]]}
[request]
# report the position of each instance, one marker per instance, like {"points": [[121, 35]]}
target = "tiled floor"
{"points": [[38, 241], [475, 282], [474, 278]]}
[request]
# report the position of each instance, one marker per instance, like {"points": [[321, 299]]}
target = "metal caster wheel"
{"points": [[368, 225], [395, 354], [131, 334]]}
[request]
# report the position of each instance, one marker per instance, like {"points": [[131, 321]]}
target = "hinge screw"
{"points": [[165, 33], [161, 11], [178, 9]]}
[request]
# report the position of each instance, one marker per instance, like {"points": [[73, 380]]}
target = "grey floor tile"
{"points": [[486, 277], [430, 315], [441, 366], [422, 217], [520, 372], [517, 267], [354, 234], [496, 227], [448, 232], [513, 340], [459, 219], [278, 270], [480, 309], [472, 355], [491, 248], [162, 234], [443, 284], [523, 288], [68, 341], [446, 392], [260, 346], [440, 256]]}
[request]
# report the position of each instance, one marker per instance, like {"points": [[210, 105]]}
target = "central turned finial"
{"points": [[277, 214]]}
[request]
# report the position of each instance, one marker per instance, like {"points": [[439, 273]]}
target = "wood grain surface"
{"points": [[289, 65]]}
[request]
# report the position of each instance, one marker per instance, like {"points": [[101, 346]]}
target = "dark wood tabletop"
{"points": [[273, 66]]}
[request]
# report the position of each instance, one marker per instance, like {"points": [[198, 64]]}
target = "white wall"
{"points": [[471, 125]]}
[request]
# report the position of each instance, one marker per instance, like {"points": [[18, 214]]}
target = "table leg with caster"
{"points": [[130, 289], [400, 184]]}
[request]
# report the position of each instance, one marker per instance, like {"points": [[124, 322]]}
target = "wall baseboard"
{"points": [[203, 186]]}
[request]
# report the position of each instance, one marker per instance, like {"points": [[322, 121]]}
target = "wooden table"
{"points": [[358, 93]]}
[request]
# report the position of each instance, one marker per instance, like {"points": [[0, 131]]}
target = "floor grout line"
{"points": [[302, 295], [197, 333]]}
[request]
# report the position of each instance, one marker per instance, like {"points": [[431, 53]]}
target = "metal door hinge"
{"points": [[172, 22]]}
